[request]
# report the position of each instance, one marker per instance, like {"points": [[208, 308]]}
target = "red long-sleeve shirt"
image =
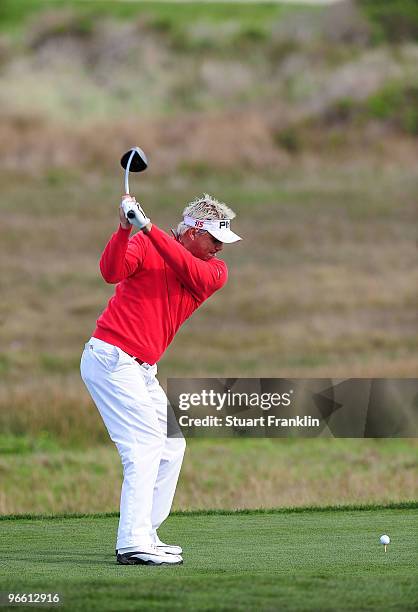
{"points": [[159, 285]]}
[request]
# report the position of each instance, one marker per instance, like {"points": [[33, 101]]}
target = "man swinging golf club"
{"points": [[160, 281]]}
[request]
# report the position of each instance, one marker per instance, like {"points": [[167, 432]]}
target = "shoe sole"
{"points": [[135, 561]]}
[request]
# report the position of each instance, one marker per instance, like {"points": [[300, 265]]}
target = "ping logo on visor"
{"points": [[213, 224], [219, 228]]}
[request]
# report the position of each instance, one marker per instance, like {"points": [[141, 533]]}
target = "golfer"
{"points": [[160, 281]]}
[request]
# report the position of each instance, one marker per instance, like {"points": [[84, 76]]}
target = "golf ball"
{"points": [[384, 539]]}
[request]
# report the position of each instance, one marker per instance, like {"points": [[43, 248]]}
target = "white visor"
{"points": [[219, 228]]}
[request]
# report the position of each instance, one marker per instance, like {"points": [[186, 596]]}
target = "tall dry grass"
{"points": [[229, 474], [322, 285]]}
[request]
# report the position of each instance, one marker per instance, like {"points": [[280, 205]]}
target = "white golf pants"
{"points": [[133, 407]]}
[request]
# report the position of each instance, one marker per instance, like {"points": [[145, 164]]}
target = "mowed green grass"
{"points": [[310, 560]]}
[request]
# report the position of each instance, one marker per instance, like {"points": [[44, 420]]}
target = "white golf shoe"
{"points": [[170, 549], [148, 555]]}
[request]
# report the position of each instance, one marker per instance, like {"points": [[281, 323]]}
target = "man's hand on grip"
{"points": [[131, 213]]}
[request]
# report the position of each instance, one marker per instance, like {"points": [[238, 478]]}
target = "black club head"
{"points": [[139, 161]]}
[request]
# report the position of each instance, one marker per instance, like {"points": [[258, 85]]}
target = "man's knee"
{"points": [[134, 451], [176, 446]]}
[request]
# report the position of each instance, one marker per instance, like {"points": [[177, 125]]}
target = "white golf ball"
{"points": [[384, 539]]}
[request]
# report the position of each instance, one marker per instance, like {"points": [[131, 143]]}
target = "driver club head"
{"points": [[139, 161]]}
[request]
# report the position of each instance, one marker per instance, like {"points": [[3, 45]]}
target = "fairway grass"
{"points": [[305, 560]]}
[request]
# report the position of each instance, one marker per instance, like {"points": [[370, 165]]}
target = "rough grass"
{"points": [[230, 474], [306, 561], [162, 15]]}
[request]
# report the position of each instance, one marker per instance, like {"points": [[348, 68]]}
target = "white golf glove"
{"points": [[134, 213]]}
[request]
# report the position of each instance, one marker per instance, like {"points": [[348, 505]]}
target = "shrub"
{"points": [[397, 103], [56, 24], [289, 139], [392, 20], [382, 104]]}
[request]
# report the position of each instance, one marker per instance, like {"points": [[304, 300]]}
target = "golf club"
{"points": [[133, 160]]}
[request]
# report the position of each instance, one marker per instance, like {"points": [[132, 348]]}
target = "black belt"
{"points": [[137, 359]]}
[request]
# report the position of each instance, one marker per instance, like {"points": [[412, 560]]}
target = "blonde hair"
{"points": [[206, 208]]}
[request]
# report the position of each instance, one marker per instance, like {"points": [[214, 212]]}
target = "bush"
{"points": [[392, 20], [57, 24], [289, 139], [343, 110], [382, 104], [397, 103], [410, 121]]}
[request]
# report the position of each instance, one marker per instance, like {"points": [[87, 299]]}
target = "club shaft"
{"points": [[128, 165]]}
